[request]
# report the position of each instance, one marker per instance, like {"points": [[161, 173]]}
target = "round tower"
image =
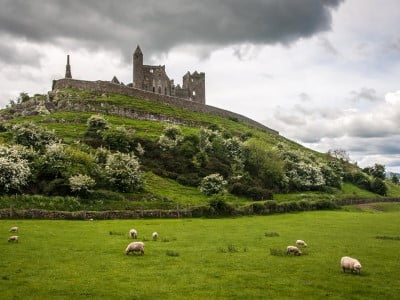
{"points": [[138, 68]]}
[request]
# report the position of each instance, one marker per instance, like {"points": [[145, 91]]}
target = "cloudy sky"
{"points": [[325, 73]]}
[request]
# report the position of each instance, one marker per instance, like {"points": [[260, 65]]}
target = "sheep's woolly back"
{"points": [[133, 233], [13, 238], [135, 247], [14, 229], [301, 243], [349, 263]]}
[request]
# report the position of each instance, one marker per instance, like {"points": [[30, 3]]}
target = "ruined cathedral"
{"points": [[155, 79]]}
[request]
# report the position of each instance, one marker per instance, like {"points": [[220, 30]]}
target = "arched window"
{"points": [[154, 89], [194, 93], [159, 89]]}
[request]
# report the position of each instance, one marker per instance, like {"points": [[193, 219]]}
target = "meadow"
{"points": [[226, 258]]}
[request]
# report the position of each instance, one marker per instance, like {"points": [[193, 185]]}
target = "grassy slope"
{"points": [[71, 126], [77, 259]]}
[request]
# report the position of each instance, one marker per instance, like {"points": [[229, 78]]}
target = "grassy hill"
{"points": [[265, 165]]}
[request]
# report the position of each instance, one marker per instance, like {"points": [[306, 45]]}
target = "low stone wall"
{"points": [[193, 212], [108, 87]]}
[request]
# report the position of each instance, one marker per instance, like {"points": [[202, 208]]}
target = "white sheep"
{"points": [[301, 243], [351, 264], [13, 238], [293, 249], [14, 229], [133, 233], [155, 236], [135, 247]]}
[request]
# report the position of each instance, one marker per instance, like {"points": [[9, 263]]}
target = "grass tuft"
{"points": [[271, 234], [172, 253], [384, 237]]}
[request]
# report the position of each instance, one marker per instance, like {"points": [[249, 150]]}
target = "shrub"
{"points": [[31, 135], [395, 178], [377, 171], [122, 172], [55, 187], [23, 97], [358, 178], [378, 186], [212, 184], [219, 206], [171, 136], [264, 164], [14, 171], [118, 139], [81, 184], [257, 193], [97, 123], [55, 161]]}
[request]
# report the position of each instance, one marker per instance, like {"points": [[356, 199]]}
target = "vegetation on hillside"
{"points": [[86, 154]]}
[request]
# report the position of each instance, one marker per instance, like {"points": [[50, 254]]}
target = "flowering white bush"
{"points": [[14, 170], [122, 171], [207, 136], [29, 134], [81, 184], [234, 148], [212, 184], [139, 149], [55, 159], [171, 136], [97, 122]]}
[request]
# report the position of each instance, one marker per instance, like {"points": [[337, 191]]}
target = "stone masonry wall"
{"points": [[108, 87]]}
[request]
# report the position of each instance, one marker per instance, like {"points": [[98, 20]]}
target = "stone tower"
{"points": [[68, 69], [196, 85], [138, 77]]}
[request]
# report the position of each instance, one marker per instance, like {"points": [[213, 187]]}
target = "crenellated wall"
{"points": [[108, 87]]}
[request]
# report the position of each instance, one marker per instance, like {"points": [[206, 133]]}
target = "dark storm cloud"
{"points": [[21, 55], [160, 25]]}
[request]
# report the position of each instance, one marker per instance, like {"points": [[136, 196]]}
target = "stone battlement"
{"points": [[109, 87]]}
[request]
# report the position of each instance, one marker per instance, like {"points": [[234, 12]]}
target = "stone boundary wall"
{"points": [[194, 212], [108, 87]]}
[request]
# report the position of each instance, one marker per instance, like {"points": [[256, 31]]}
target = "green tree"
{"points": [[395, 178], [263, 163]]}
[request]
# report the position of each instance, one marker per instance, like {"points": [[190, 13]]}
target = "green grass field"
{"points": [[80, 259]]}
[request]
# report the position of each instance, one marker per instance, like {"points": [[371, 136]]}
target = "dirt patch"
{"points": [[369, 207]]}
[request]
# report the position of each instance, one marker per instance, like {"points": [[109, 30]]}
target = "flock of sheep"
{"points": [[138, 246], [347, 263]]}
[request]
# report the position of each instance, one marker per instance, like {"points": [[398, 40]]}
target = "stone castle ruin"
{"points": [[153, 84], [156, 80]]}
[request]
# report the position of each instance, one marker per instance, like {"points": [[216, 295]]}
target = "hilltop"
{"points": [[90, 149]]}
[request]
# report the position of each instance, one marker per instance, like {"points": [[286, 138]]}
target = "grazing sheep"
{"points": [[351, 264], [155, 236], [13, 238], [293, 249], [301, 243], [135, 247], [14, 229], [133, 233]]}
